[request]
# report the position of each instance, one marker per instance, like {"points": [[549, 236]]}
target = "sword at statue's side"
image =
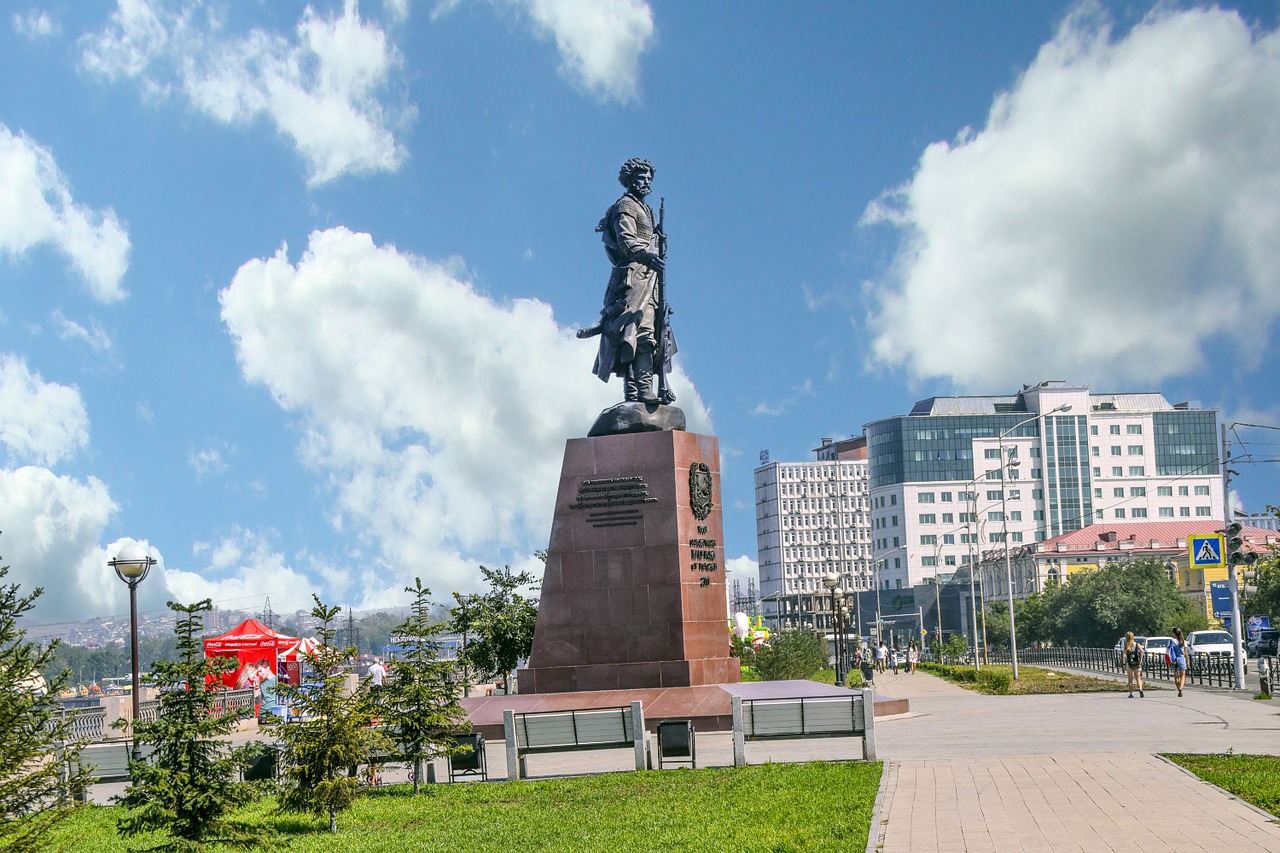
{"points": [[663, 330]]}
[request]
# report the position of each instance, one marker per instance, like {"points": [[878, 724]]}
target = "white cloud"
{"points": [[241, 570], [320, 89], [43, 422], [93, 336], [36, 207], [600, 41], [208, 462], [35, 24], [1119, 213], [438, 415], [52, 526]]}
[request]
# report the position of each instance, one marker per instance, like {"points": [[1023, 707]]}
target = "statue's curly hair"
{"points": [[631, 167]]}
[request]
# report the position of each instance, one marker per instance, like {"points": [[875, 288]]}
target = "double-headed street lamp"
{"points": [[839, 627], [132, 563], [1005, 465]]}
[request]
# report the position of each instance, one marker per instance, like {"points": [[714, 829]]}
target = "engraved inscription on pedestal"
{"points": [[613, 501]]}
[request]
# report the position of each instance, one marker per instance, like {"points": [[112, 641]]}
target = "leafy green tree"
{"points": [[335, 731], [498, 624], [34, 795], [185, 787], [420, 702], [790, 654]]}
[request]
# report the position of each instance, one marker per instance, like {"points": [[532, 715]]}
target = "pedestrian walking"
{"points": [[913, 656], [893, 660], [882, 655], [1178, 659], [1133, 654]]}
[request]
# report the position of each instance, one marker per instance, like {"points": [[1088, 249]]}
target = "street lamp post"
{"points": [[131, 564], [832, 583], [1005, 465]]}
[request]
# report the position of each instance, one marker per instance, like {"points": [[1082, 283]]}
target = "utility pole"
{"points": [[1233, 585]]}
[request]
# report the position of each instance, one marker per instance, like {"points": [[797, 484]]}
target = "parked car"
{"points": [[1158, 646], [1209, 645], [1265, 641]]}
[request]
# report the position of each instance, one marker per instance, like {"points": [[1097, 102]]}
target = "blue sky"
{"points": [[288, 291]]}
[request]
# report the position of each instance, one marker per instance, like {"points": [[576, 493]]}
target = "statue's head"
{"points": [[633, 170]]}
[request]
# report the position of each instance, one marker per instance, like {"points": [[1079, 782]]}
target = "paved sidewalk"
{"points": [[1077, 772]]}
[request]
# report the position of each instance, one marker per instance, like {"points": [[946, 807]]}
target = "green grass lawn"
{"points": [[1253, 778], [1032, 680], [770, 807]]}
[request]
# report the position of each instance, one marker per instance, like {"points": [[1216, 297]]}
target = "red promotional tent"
{"points": [[254, 645]]}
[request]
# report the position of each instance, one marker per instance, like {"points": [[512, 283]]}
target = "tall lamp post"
{"points": [[1005, 465], [832, 583], [132, 563]]}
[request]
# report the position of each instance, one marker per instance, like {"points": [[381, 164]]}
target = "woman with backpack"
{"points": [[1133, 653], [1178, 659]]}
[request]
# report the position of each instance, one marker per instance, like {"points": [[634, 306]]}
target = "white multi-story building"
{"points": [[812, 520], [959, 476]]}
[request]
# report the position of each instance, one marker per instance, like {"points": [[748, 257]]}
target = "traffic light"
{"points": [[1238, 557]]}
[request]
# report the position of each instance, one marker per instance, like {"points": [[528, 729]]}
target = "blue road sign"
{"points": [[1206, 551], [1220, 596]]}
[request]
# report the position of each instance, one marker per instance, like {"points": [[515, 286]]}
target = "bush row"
{"points": [[989, 680]]}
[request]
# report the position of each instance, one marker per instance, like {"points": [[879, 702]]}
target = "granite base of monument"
{"points": [[633, 596]]}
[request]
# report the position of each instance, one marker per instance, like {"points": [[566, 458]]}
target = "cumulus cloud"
{"points": [[321, 88], [243, 569], [1119, 212], [208, 462], [35, 24], [600, 41], [37, 208], [438, 415], [52, 526], [43, 422]]}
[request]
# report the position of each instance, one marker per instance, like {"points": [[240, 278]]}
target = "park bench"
{"points": [[540, 732], [805, 717]]}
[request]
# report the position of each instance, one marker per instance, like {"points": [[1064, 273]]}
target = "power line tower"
{"points": [[268, 617], [352, 638]]}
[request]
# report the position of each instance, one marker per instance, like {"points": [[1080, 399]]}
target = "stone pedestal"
{"points": [[634, 590]]}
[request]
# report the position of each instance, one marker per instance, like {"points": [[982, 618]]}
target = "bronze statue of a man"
{"points": [[632, 321]]}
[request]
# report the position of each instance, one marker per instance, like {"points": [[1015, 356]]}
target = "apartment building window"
{"points": [[1139, 512], [1115, 429], [991, 453], [893, 501], [1184, 512], [1133, 429], [1095, 451], [1015, 536], [948, 539], [949, 560], [1137, 471], [993, 475], [1200, 490], [996, 537], [1117, 471], [1137, 491], [1036, 473], [1117, 492], [996, 516], [1135, 450], [967, 518], [1183, 491], [1097, 493], [1119, 513], [1164, 491], [1200, 511], [929, 562], [965, 496], [1037, 494], [1037, 515], [1093, 430], [1097, 472], [928, 518], [945, 497], [1115, 450], [1015, 515], [930, 539], [925, 497], [995, 495], [894, 523], [1166, 512]]}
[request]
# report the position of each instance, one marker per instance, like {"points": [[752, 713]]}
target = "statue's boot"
{"points": [[642, 371]]}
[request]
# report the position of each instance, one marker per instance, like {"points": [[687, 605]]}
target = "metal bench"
{"points": [[807, 717], [571, 731]]}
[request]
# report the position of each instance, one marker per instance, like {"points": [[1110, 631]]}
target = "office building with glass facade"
{"points": [[958, 477]]}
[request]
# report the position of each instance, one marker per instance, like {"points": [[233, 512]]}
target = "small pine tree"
{"points": [[184, 788], [334, 733], [420, 702], [34, 791]]}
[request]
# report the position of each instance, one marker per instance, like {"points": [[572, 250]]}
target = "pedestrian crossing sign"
{"points": [[1206, 551]]}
